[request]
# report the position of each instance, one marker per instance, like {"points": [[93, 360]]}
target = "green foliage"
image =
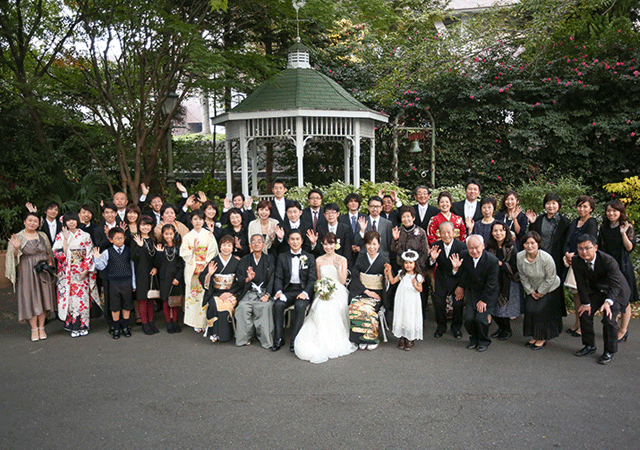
{"points": [[532, 193]]}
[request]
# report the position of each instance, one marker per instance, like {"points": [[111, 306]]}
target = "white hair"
{"points": [[476, 236]]}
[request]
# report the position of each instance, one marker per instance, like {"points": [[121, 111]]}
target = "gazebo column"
{"points": [[347, 162], [243, 160], [356, 155], [372, 160], [253, 152], [229, 167], [300, 150]]}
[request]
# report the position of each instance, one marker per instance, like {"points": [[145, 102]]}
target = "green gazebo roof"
{"points": [[299, 88]]}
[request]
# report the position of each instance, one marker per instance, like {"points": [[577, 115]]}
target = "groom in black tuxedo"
{"points": [[294, 282]]}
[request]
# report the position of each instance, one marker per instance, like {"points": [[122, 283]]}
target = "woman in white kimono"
{"points": [[198, 246]]}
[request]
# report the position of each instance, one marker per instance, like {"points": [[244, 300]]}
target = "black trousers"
{"points": [[300, 308], [609, 325], [476, 324], [440, 307]]}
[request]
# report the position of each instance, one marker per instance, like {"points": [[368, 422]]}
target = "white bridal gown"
{"points": [[325, 332]]}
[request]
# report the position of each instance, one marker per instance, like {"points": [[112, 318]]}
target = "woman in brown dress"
{"points": [[36, 292]]}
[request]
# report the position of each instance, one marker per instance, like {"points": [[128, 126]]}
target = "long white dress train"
{"points": [[325, 332]]}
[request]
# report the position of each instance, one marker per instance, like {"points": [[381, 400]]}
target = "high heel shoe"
{"points": [[35, 335], [42, 334], [624, 338]]}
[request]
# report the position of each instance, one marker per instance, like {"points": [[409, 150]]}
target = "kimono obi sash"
{"points": [[223, 282], [372, 282]]}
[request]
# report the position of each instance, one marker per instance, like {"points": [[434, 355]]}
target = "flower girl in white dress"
{"points": [[325, 332]]}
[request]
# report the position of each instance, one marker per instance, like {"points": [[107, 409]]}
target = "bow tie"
{"points": [[296, 255]]}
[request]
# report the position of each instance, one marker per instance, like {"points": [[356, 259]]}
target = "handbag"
{"points": [[153, 293], [175, 301], [570, 281]]}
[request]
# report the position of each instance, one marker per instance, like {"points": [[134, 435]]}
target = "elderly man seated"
{"points": [[255, 309]]}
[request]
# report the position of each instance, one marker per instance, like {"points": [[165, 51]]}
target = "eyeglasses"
{"points": [[585, 249]]}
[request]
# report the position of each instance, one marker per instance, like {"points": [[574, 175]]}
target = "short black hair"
{"points": [[332, 207], [114, 231], [294, 204], [166, 206], [197, 213], [51, 204], [552, 197], [587, 237], [70, 216], [279, 181], [374, 198], [238, 194], [109, 205], [473, 181], [295, 231], [353, 196], [315, 191], [531, 235]]}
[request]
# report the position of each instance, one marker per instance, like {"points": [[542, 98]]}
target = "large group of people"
{"points": [[338, 280]]}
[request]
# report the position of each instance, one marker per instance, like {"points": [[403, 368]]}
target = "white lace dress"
{"points": [[325, 332], [407, 310]]}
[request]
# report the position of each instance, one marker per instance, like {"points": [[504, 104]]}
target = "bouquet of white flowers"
{"points": [[324, 287]]}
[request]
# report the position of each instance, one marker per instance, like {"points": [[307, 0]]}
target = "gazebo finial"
{"points": [[297, 5]]}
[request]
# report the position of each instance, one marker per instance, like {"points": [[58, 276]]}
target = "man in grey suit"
{"points": [[375, 222]]}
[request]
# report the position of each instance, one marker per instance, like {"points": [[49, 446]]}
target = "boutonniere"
{"points": [[337, 244], [303, 262]]}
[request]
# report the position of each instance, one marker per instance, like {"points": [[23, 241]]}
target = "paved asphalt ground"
{"points": [[180, 391]]}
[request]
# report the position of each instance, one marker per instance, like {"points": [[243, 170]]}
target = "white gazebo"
{"points": [[297, 105]]}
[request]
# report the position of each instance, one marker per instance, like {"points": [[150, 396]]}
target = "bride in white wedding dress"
{"points": [[325, 332]]}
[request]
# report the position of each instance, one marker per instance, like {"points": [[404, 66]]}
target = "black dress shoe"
{"points": [[472, 346], [154, 328], [586, 350], [496, 333], [606, 358], [529, 344], [482, 348], [438, 334], [126, 331], [176, 327], [538, 347], [276, 345], [505, 335], [146, 329], [457, 334], [111, 329], [292, 348], [170, 328], [116, 333]]}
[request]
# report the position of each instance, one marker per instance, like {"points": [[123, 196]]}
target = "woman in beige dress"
{"points": [[36, 291]]}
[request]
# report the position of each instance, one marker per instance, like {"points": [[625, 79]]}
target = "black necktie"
{"points": [[315, 220], [295, 255], [374, 226]]}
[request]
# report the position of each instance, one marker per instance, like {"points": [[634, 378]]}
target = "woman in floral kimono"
{"points": [[198, 246], [367, 293], [76, 276]]}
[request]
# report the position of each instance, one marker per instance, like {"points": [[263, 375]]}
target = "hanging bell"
{"points": [[415, 147]]}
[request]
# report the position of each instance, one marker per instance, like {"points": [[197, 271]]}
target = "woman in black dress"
{"points": [[512, 215], [130, 226], [501, 245], [87, 224], [584, 224], [541, 284], [618, 239], [238, 231], [170, 272], [143, 252], [221, 291]]}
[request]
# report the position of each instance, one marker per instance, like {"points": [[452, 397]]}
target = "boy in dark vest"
{"points": [[116, 261]]}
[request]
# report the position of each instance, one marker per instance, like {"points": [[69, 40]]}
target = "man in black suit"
{"points": [[478, 272], [150, 204], [445, 281], [293, 222], [344, 236], [121, 201], [294, 282], [423, 211], [313, 215], [602, 287], [352, 201], [469, 208], [388, 211], [102, 242], [375, 223], [51, 224], [279, 203]]}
